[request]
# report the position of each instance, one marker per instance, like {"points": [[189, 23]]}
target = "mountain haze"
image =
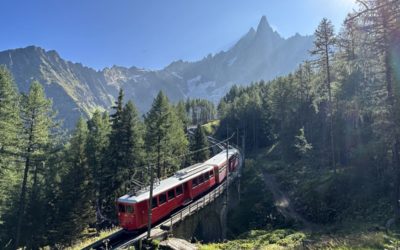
{"points": [[77, 90]]}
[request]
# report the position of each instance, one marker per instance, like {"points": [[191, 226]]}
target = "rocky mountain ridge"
{"points": [[77, 89]]}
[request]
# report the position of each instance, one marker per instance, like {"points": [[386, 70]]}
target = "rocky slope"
{"points": [[77, 90]]}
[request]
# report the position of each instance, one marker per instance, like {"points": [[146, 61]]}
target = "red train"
{"points": [[174, 192]]}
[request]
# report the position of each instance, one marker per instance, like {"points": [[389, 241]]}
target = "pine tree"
{"points": [[10, 128], [77, 211], [380, 22], [37, 117], [324, 44], [9, 115], [199, 146], [132, 144], [165, 138], [97, 144], [114, 160], [182, 114]]}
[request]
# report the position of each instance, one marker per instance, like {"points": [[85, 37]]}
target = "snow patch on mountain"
{"points": [[232, 61], [176, 75]]}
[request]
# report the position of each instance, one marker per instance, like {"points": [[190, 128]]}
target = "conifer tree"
{"points": [[9, 115], [324, 44], [37, 117], [77, 197], [182, 114], [97, 143], [132, 145], [165, 138], [10, 127], [114, 159], [199, 146]]}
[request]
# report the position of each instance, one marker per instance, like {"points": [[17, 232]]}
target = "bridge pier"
{"points": [[209, 223]]}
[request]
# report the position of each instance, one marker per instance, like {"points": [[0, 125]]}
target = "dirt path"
{"points": [[283, 204]]}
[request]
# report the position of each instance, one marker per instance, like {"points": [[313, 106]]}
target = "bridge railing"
{"points": [[194, 207], [188, 210]]}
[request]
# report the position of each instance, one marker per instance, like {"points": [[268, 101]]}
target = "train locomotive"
{"points": [[176, 191]]}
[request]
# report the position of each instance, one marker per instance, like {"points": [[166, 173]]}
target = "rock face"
{"points": [[77, 90]]}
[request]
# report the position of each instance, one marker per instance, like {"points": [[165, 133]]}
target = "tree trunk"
{"points": [[158, 157], [328, 77], [21, 206]]}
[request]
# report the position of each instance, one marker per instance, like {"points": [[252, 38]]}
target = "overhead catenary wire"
{"points": [[183, 156]]}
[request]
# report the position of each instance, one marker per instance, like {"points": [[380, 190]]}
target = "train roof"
{"points": [[180, 177]]}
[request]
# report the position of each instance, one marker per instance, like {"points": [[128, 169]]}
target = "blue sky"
{"points": [[152, 33]]}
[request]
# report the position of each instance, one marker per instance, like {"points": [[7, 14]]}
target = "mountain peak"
{"points": [[263, 26]]}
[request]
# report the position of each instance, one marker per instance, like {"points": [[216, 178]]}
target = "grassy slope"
{"points": [[290, 239], [355, 228], [84, 242], [211, 127]]}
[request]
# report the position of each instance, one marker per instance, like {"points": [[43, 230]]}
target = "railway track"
{"points": [[112, 241], [122, 240]]}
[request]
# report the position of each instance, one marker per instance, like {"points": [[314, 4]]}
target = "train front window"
{"points": [[121, 208], [129, 209]]}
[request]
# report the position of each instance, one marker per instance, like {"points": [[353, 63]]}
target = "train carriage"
{"points": [[176, 191]]}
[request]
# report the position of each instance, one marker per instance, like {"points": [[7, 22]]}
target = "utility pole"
{"points": [[225, 223], [243, 147], [150, 202], [227, 170], [241, 166], [237, 137]]}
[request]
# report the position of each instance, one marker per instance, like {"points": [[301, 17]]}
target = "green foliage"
{"points": [[199, 111], [10, 124], [97, 144], [240, 111], [302, 146], [256, 209], [64, 190], [10, 128], [261, 239], [211, 127], [342, 113], [182, 114], [37, 138], [331, 127], [199, 146], [76, 208], [124, 156], [165, 138]]}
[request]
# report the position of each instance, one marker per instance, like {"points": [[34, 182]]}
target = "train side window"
{"points": [[171, 194], [206, 176], [129, 209], [211, 173], [195, 182], [179, 190], [154, 202], [162, 198], [121, 208], [201, 179]]}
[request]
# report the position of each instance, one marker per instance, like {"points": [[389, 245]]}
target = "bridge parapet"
{"points": [[204, 219]]}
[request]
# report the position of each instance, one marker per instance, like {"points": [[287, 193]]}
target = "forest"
{"points": [[329, 132], [57, 187]]}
